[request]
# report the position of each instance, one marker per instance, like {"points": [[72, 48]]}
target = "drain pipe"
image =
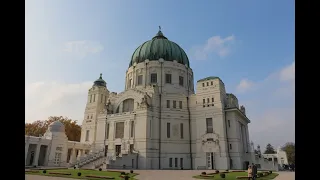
{"points": [[160, 109], [189, 119]]}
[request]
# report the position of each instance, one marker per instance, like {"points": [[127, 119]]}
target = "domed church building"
{"points": [[158, 122]]}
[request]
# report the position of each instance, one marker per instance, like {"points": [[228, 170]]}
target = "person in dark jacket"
{"points": [[254, 171]]}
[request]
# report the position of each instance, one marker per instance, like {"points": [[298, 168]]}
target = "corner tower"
{"points": [[97, 98]]}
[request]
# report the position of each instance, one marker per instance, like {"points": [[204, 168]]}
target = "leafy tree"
{"points": [[38, 128], [269, 149], [289, 148]]}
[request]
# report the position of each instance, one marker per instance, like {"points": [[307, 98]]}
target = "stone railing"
{"points": [[83, 160]]}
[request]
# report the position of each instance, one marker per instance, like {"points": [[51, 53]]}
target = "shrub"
{"points": [[260, 175], [123, 173], [131, 171], [222, 175], [100, 169], [217, 171], [79, 173], [227, 170], [203, 173], [74, 167], [44, 171], [126, 177], [270, 172]]}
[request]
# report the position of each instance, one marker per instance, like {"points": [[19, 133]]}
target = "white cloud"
{"points": [[44, 99], [288, 73], [82, 48], [244, 85], [215, 44], [270, 106]]}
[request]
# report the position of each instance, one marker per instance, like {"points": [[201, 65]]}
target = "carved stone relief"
{"points": [[168, 70], [210, 142], [139, 71]]}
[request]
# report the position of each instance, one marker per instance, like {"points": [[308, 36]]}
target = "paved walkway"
{"points": [[285, 176], [187, 175], [164, 174]]}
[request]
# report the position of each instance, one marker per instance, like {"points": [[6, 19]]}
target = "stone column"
{"points": [[73, 156], [26, 149], [46, 158], [36, 156], [248, 139], [79, 154], [134, 77]]}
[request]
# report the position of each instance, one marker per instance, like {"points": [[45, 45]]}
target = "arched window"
{"points": [[128, 105]]}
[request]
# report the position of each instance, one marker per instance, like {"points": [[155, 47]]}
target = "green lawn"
{"points": [[233, 175], [74, 174]]}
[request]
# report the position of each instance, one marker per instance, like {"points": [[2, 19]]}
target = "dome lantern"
{"points": [[100, 82]]}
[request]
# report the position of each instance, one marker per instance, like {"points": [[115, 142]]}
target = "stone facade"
{"points": [[159, 122]]}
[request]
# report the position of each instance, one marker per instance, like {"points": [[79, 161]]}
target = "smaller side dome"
{"points": [[100, 82], [56, 126]]}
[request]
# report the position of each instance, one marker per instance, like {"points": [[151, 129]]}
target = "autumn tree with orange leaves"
{"points": [[38, 128]]}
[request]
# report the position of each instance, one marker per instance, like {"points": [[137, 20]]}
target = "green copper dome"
{"points": [[100, 82], [159, 47]]}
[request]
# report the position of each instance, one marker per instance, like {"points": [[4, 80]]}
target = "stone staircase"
{"points": [[91, 161]]}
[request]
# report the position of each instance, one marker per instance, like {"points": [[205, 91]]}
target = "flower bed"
{"points": [[209, 176], [115, 171], [58, 173], [242, 177], [100, 177], [212, 173], [265, 173], [31, 171], [238, 171]]}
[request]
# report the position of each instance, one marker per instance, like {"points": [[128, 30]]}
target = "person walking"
{"points": [[250, 172]]}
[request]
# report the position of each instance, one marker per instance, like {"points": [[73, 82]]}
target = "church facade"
{"points": [[159, 122]]}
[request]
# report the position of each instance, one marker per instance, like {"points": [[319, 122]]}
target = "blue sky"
{"points": [[248, 44]]}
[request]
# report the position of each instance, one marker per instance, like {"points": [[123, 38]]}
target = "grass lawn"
{"points": [[74, 174], [233, 175]]}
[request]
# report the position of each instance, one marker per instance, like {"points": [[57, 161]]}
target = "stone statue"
{"points": [[109, 107], [144, 101], [243, 109]]}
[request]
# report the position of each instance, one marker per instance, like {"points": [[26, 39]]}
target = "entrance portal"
{"points": [[210, 160]]}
